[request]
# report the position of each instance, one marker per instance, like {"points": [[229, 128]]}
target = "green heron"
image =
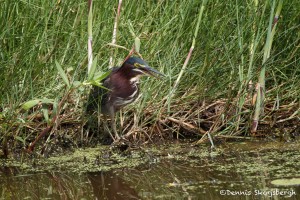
{"points": [[121, 89]]}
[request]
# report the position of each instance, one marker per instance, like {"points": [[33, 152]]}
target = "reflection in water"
{"points": [[54, 185], [110, 186], [235, 173], [183, 180], [57, 185]]}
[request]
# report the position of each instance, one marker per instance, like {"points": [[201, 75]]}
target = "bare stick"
{"points": [[90, 35], [114, 37]]}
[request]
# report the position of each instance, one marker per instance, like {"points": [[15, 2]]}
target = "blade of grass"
{"points": [[62, 74], [93, 69]]}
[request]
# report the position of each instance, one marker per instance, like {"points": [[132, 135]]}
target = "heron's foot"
{"points": [[121, 144], [119, 140], [117, 137]]}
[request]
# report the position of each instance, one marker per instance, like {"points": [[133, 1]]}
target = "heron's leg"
{"points": [[113, 126], [106, 127]]}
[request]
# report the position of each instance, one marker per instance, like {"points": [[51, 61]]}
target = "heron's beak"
{"points": [[151, 72]]}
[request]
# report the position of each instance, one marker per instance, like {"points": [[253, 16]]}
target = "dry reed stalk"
{"points": [[190, 51], [114, 37], [90, 34]]}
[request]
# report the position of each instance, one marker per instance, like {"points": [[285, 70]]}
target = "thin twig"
{"points": [[190, 51], [186, 125]]}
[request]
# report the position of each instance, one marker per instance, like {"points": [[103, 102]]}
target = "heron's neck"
{"points": [[135, 80]]}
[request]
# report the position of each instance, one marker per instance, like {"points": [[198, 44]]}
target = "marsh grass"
{"points": [[214, 93]]}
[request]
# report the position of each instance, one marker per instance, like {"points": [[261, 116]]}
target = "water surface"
{"points": [[243, 170]]}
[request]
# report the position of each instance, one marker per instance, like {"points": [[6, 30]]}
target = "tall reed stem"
{"points": [[90, 34], [190, 51], [114, 37], [260, 86]]}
